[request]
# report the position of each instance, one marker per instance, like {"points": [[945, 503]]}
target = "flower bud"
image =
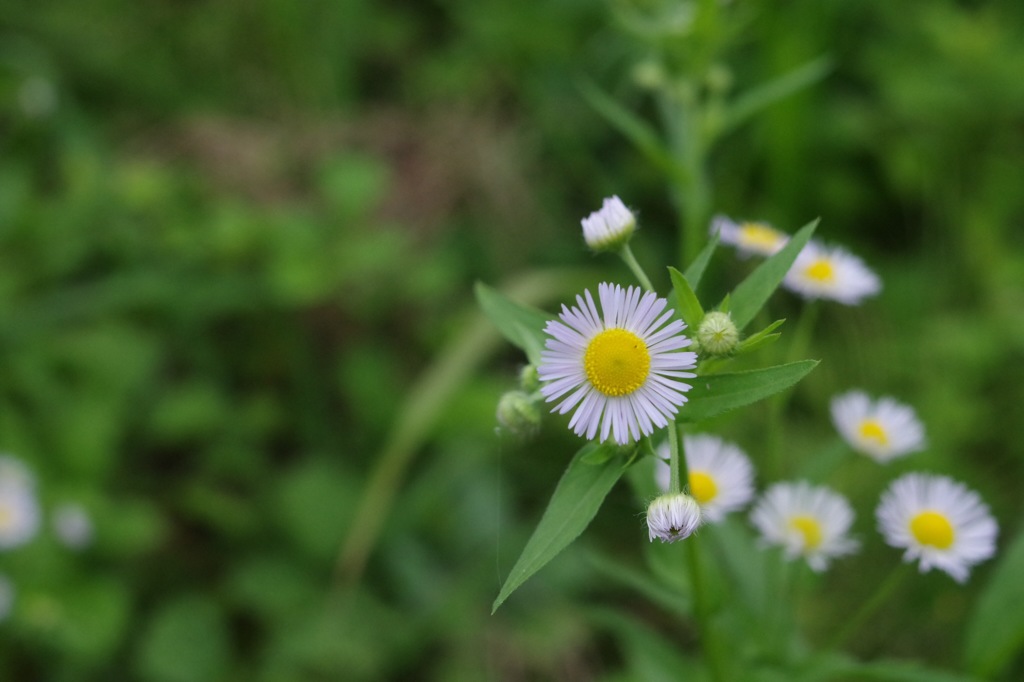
{"points": [[517, 413], [611, 227], [673, 517], [717, 334], [529, 380]]}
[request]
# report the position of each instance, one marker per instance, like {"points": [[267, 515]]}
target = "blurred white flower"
{"points": [[749, 238], [610, 227], [19, 515], [14, 472], [831, 273], [673, 517], [805, 520], [883, 429], [940, 522], [72, 525], [721, 475], [620, 371]]}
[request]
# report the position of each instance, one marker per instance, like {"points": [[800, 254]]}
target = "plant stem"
{"points": [[677, 463], [868, 609], [709, 641], [627, 256]]}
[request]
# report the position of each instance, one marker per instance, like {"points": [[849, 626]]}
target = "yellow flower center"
{"points": [[617, 362], [759, 235], [810, 528], [6, 517], [871, 429], [932, 528], [821, 270], [702, 487]]}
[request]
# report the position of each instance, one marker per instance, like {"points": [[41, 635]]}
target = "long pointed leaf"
{"points": [[695, 272], [995, 631], [522, 325], [771, 92], [688, 306], [572, 507], [719, 393], [752, 293]]}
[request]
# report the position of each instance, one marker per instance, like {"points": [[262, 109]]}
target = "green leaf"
{"points": [[689, 307], [522, 325], [752, 293], [695, 272], [760, 339], [771, 92], [995, 631], [186, 640], [719, 393], [642, 135], [837, 668], [577, 498]]}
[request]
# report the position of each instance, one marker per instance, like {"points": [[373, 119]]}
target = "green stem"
{"points": [[869, 607], [677, 464], [712, 650], [627, 256]]}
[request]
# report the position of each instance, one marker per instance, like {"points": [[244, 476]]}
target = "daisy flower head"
{"points": [[609, 228], [721, 477], [939, 522], [73, 526], [673, 517], [882, 429], [750, 238], [19, 515], [805, 520], [833, 273], [620, 367]]}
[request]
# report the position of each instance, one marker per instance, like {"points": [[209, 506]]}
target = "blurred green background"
{"points": [[236, 236]]}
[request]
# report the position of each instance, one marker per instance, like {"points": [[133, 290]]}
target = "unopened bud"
{"points": [[717, 334], [673, 517], [517, 413]]}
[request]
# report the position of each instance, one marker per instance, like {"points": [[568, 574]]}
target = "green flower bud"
{"points": [[518, 414], [717, 334], [529, 380]]}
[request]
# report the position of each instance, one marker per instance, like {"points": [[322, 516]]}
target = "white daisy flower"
{"points": [[19, 515], [72, 525], [749, 237], [620, 371], [938, 521], [831, 273], [673, 517], [805, 520], [721, 475], [609, 228], [883, 429]]}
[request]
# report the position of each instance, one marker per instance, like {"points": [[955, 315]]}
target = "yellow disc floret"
{"points": [[821, 271], [810, 528], [872, 430], [759, 235], [932, 528], [702, 487], [617, 362]]}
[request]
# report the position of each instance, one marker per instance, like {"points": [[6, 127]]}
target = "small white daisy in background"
{"points": [[749, 238], [72, 525], [673, 517], [883, 429], [6, 597], [805, 520], [14, 472], [19, 515], [621, 370], [721, 475], [939, 521], [609, 228], [831, 273]]}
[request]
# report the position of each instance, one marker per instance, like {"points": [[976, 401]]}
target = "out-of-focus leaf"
{"points": [[573, 506], [995, 631], [689, 307], [719, 393], [642, 582], [649, 655], [771, 92], [522, 325], [837, 668], [752, 293], [186, 641]]}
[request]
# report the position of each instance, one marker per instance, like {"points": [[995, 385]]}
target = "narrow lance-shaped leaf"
{"points": [[579, 495], [773, 91], [522, 325], [695, 272], [760, 339], [689, 307], [716, 394], [995, 631], [752, 293]]}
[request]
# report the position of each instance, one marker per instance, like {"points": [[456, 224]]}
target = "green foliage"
{"points": [[996, 630], [717, 394]]}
